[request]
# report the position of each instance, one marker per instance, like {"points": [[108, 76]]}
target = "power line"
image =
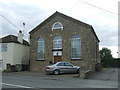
{"points": [[9, 21], [98, 7]]}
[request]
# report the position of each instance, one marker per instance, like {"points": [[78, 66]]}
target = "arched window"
{"points": [[75, 47], [57, 25], [57, 42], [40, 49]]}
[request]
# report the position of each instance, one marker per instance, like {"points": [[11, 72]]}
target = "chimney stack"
{"points": [[20, 37]]}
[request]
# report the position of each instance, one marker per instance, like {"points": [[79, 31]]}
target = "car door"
{"points": [[69, 68], [61, 67]]}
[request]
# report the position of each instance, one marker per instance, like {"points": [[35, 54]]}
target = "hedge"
{"points": [[111, 62]]}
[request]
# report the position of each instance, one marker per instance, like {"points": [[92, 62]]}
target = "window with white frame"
{"points": [[57, 42], [4, 47], [75, 47], [41, 49], [57, 25]]}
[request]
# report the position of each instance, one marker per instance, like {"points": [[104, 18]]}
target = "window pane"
{"points": [[57, 25], [75, 47], [40, 49], [4, 48], [57, 42], [68, 64], [61, 64]]}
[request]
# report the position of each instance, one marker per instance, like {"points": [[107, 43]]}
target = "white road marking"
{"points": [[16, 85]]}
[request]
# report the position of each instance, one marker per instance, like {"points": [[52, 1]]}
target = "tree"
{"points": [[105, 53]]}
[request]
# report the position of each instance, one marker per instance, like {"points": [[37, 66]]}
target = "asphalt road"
{"points": [[38, 80]]}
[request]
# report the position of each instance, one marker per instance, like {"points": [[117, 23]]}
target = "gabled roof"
{"points": [[64, 16], [12, 39]]}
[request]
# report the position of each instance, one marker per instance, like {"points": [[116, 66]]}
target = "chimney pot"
{"points": [[20, 31]]}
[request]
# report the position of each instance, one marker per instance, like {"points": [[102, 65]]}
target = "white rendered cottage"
{"points": [[13, 50]]}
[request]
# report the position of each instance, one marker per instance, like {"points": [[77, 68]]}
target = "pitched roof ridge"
{"points": [[59, 13], [12, 38], [9, 36]]}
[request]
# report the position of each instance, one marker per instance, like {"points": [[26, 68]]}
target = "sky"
{"points": [[101, 14]]}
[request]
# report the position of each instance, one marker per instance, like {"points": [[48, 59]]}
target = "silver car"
{"points": [[62, 67]]}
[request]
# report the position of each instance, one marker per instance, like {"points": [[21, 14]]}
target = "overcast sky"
{"points": [[101, 14]]}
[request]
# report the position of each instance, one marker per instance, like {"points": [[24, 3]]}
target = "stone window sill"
{"points": [[40, 60], [76, 59]]}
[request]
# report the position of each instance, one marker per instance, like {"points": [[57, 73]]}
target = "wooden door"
{"points": [[57, 59]]}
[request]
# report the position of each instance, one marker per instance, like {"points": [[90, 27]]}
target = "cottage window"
{"points": [[40, 49], [57, 42], [57, 25], [4, 47], [75, 47]]}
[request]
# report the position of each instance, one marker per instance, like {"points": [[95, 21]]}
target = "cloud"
{"points": [[108, 35], [34, 12], [18, 13]]}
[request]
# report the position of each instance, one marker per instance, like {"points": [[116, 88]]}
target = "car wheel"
{"points": [[78, 71], [56, 72]]}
